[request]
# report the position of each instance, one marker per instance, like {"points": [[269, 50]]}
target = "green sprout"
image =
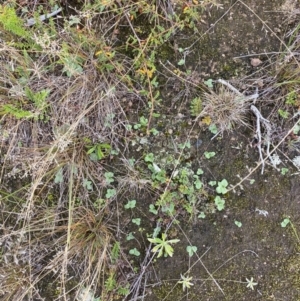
{"points": [[163, 246], [251, 283], [186, 282], [222, 187]]}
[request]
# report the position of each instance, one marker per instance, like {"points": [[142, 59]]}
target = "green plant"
{"points": [[191, 250], [251, 283], [98, 151], [129, 236], [40, 105], [290, 98], [143, 123], [115, 252], [186, 282], [110, 193], [136, 221], [134, 252], [213, 129], [110, 283], [87, 184], [163, 246], [238, 224], [287, 221], [282, 113], [209, 83], [11, 22], [109, 177], [124, 290], [72, 62], [220, 203], [209, 155], [130, 204], [222, 187], [196, 106]]}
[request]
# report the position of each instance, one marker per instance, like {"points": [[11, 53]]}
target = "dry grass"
{"points": [[225, 108], [55, 228], [58, 230]]}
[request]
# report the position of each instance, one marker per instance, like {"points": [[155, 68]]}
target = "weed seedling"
{"points": [[220, 203], [191, 250], [209, 155], [186, 282], [222, 187], [163, 246], [130, 204], [251, 283], [286, 222], [136, 221], [134, 252], [238, 224]]}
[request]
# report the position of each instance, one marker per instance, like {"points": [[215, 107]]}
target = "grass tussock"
{"points": [[225, 108]]}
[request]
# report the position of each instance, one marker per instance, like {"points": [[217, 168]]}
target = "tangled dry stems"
{"points": [[225, 108], [79, 108]]}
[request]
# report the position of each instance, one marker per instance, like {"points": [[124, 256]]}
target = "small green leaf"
{"points": [[137, 126], [199, 171], [136, 221], [213, 129], [109, 177], [110, 193], [87, 184], [154, 131], [220, 203], [156, 231], [296, 129], [284, 171], [201, 215], [283, 114], [152, 209], [143, 121], [191, 250], [59, 176], [149, 158], [129, 236], [130, 205], [285, 222], [209, 155], [186, 282], [222, 186], [209, 83], [134, 252], [198, 184], [251, 283], [212, 183], [238, 224], [181, 62]]}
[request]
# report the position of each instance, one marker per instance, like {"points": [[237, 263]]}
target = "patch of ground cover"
{"points": [[239, 253], [99, 163]]}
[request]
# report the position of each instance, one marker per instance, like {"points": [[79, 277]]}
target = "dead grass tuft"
{"points": [[225, 108]]}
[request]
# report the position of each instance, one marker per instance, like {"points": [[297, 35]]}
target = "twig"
{"points": [[228, 85], [260, 163], [266, 123], [32, 21]]}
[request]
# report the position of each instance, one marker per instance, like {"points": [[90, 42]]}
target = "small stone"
{"points": [[255, 62]]}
